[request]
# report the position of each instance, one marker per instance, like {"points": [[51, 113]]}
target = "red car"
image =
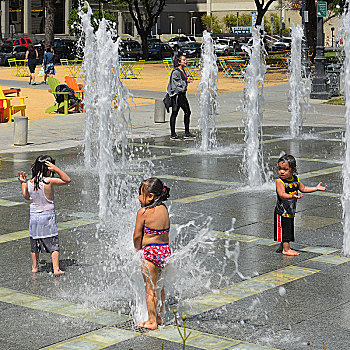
{"points": [[19, 41]]}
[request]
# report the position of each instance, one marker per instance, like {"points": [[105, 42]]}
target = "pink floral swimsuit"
{"points": [[158, 254]]}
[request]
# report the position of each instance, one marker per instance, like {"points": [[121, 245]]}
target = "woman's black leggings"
{"points": [[180, 101]]}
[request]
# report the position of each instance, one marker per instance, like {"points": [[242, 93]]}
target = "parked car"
{"points": [[226, 47], [9, 51], [176, 43], [130, 49], [283, 44], [158, 51], [192, 50], [153, 41], [65, 48], [18, 41]]}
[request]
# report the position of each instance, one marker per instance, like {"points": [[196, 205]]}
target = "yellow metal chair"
{"points": [[67, 67], [12, 64], [168, 64], [138, 69], [11, 109]]}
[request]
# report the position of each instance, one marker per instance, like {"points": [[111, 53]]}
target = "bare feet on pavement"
{"points": [[290, 252], [148, 325]]}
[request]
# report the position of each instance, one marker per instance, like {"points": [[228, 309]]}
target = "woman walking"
{"points": [[32, 56], [177, 88]]}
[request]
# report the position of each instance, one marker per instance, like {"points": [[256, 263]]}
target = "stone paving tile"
{"points": [[96, 340]]}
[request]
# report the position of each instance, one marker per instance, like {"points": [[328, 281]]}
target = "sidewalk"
{"points": [[65, 131]]}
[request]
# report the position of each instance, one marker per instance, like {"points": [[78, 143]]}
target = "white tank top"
{"points": [[38, 200]]}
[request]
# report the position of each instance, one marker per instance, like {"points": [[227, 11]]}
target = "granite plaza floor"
{"points": [[283, 303]]}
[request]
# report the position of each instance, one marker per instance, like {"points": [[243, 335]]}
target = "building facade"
{"points": [[178, 16]]}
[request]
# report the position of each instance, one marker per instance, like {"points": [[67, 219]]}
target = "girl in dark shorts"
{"points": [[32, 56], [42, 227], [287, 187], [48, 63]]}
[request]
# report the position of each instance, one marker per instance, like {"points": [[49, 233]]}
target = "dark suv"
{"points": [[130, 49], [9, 51]]}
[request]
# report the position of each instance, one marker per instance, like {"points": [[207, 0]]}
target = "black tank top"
{"points": [[32, 56]]}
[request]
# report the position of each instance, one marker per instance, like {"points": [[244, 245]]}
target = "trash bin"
{"points": [[159, 111], [333, 77], [20, 131]]}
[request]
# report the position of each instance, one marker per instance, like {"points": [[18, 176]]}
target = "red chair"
{"points": [[2, 111]]}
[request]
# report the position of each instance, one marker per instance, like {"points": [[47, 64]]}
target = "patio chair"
{"points": [[67, 68], [61, 106], [227, 70], [73, 84], [9, 108], [12, 64], [168, 64], [2, 111], [138, 69]]}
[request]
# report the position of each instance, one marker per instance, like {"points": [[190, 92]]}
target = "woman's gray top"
{"points": [[177, 82]]}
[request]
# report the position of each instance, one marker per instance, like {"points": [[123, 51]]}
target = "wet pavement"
{"points": [[281, 303]]}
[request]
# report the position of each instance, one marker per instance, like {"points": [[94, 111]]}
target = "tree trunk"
{"points": [[144, 44], [50, 10]]}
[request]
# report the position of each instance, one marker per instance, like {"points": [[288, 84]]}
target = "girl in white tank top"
{"points": [[42, 227]]}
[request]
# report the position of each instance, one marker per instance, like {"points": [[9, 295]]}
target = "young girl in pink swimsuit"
{"points": [[151, 236]]}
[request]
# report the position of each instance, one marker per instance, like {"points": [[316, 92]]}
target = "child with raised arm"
{"points": [[287, 187], [151, 236], [42, 226]]}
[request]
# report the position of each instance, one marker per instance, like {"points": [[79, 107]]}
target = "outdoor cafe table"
{"points": [[22, 69], [236, 65]]}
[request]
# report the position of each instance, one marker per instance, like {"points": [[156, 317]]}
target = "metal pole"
{"points": [[281, 18], [211, 18], [271, 25], [304, 47], [319, 88], [237, 18]]}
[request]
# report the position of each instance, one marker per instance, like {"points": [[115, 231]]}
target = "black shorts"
{"points": [[44, 245], [283, 228], [31, 68]]}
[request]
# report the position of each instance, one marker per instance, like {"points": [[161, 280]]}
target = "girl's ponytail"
{"points": [[155, 186]]}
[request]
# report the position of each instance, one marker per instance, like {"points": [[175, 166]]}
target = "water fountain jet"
{"points": [[208, 94]]}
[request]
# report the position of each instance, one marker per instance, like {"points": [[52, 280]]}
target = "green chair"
{"points": [[61, 107]]}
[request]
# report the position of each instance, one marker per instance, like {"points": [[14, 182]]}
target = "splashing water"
{"points": [[299, 88], [115, 281], [106, 127], [346, 165], [254, 78], [208, 94]]}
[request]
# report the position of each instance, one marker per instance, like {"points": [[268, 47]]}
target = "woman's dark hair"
{"points": [[287, 158], [30, 47], [40, 169], [48, 49], [177, 60], [155, 186]]}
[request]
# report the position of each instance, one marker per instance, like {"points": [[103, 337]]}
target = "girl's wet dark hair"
{"points": [[287, 158], [155, 186], [40, 170]]}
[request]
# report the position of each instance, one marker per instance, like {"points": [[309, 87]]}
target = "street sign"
{"points": [[321, 9], [241, 30]]}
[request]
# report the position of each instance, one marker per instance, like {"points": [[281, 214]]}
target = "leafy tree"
{"points": [[74, 21], [244, 20], [145, 14], [273, 17], [206, 21]]}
